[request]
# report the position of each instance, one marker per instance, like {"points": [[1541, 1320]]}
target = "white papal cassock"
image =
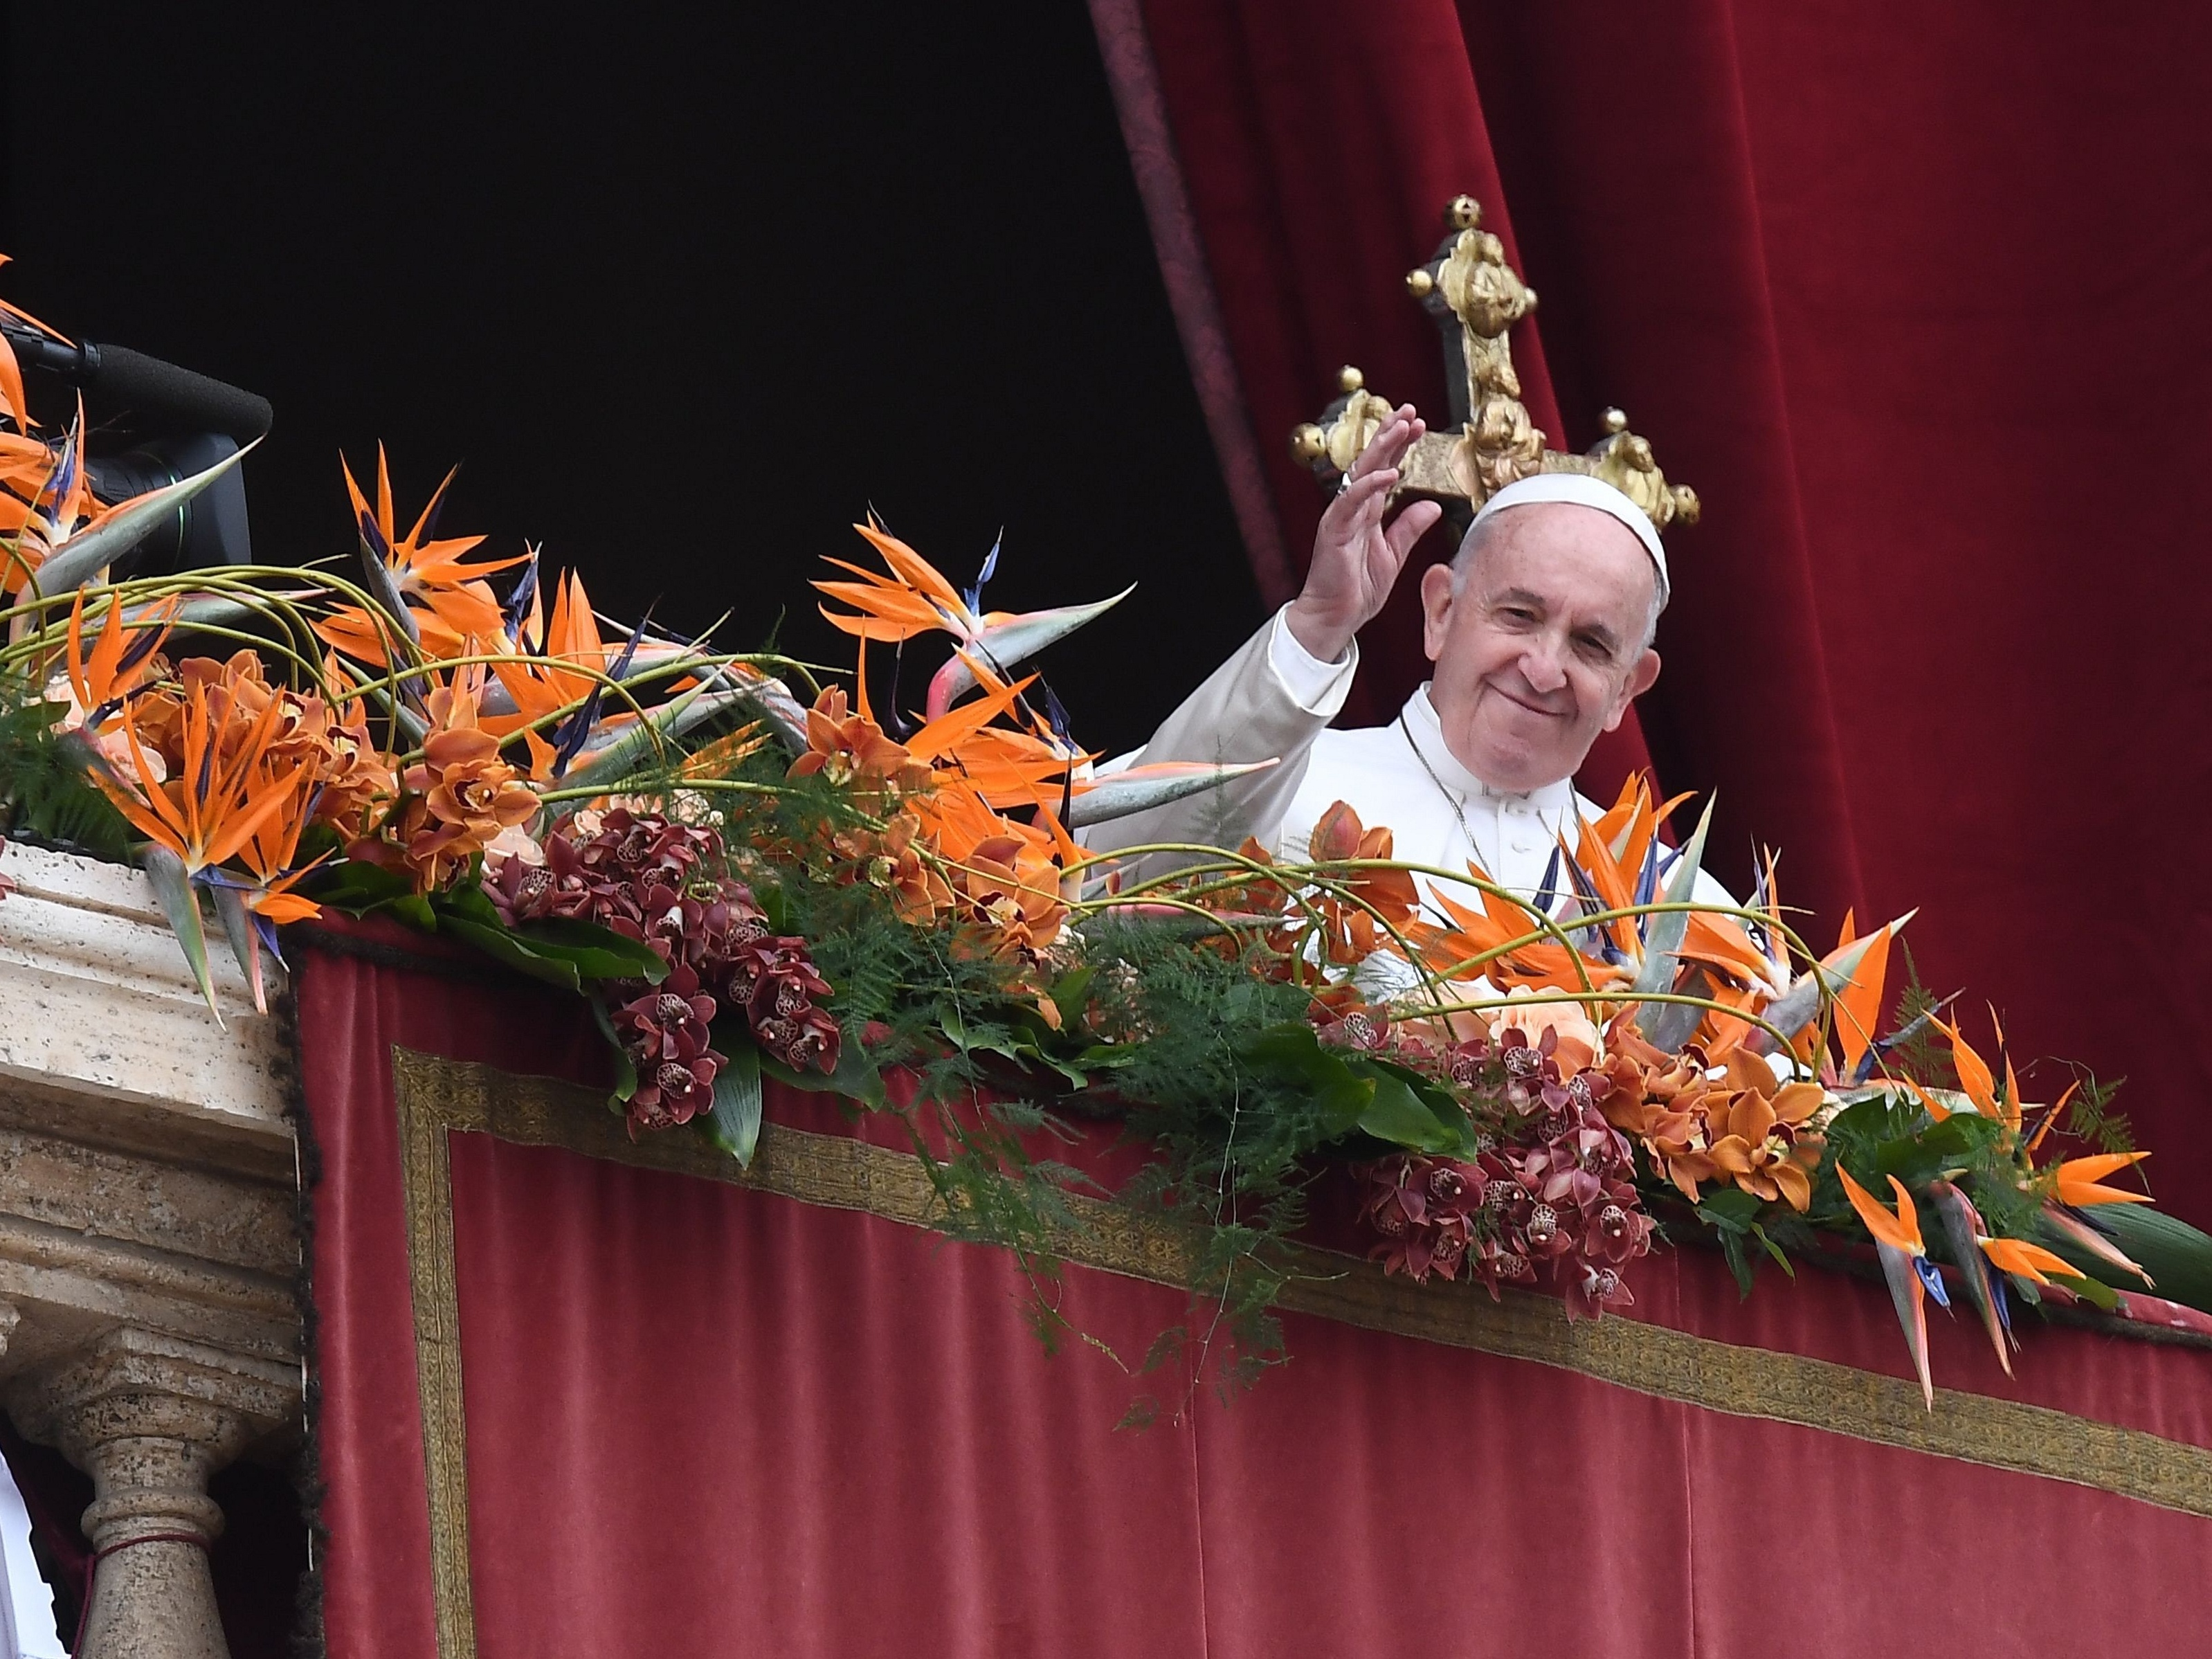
{"points": [[1275, 698]]}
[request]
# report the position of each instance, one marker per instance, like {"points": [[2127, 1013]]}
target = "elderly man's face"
{"points": [[1543, 647]]}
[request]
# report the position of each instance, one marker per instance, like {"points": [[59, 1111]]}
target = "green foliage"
{"points": [[561, 951], [2176, 1254], [734, 1124], [45, 792], [1923, 1054], [1215, 1065], [1733, 1216], [2090, 1117]]}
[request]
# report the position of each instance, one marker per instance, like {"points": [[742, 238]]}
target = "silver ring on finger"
{"points": [[1343, 483]]}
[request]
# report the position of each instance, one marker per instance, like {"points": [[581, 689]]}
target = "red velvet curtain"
{"points": [[708, 1420], [1912, 296]]}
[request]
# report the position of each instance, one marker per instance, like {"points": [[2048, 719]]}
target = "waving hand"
{"points": [[1357, 556]]}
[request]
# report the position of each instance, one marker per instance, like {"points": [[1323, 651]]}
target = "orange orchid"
{"points": [[1745, 1129], [1356, 925], [563, 674], [456, 605], [1541, 963], [1008, 888], [1978, 1082], [357, 782], [1761, 1143], [462, 794], [2030, 1261], [1911, 1277], [1901, 1231], [2077, 1181], [915, 598], [56, 506], [843, 746], [118, 663], [919, 889], [213, 803]]}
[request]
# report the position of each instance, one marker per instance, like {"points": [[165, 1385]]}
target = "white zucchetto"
{"points": [[1580, 489]]}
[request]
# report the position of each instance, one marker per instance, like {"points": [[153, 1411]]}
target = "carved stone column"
{"points": [[149, 1418], [148, 1241]]}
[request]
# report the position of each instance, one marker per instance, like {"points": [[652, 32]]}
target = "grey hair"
{"points": [[1478, 536]]}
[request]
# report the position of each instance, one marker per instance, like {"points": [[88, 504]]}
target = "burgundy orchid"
{"points": [[670, 1022]]}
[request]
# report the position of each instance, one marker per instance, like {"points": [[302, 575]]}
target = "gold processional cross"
{"points": [[1475, 297]]}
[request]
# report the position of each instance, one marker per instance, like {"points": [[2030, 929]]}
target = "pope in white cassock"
{"points": [[1540, 631]]}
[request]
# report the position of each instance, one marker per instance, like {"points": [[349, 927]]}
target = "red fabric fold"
{"points": [[1319, 150]]}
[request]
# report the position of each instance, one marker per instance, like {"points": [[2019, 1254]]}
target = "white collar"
{"points": [[1427, 731]]}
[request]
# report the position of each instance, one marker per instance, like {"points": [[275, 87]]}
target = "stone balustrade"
{"points": [[150, 1248]]}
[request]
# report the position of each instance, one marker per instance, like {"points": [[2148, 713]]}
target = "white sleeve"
{"points": [[1269, 702], [1317, 687]]}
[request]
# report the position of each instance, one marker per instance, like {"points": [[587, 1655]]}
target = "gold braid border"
{"points": [[437, 1097]]}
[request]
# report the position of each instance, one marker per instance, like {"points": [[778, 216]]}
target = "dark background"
{"points": [[683, 292]]}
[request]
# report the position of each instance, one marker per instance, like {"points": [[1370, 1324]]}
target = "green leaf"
{"points": [[561, 951], [734, 1124], [1105, 1056], [1438, 1099], [1877, 1118], [1293, 1053], [776, 907], [596, 952], [2173, 1252], [355, 889], [1738, 1263], [856, 1077], [1772, 1250], [1070, 994], [180, 904], [625, 1068], [1731, 1208], [1666, 931], [1395, 1113], [502, 946]]}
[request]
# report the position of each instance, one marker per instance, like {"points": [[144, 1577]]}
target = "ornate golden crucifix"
{"points": [[1475, 297]]}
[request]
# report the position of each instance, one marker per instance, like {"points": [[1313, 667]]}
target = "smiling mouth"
{"points": [[1522, 702]]}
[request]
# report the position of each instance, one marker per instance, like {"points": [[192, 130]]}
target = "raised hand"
{"points": [[1357, 556]]}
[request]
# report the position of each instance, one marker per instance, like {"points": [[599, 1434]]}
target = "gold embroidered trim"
{"points": [[436, 1098], [427, 1184]]}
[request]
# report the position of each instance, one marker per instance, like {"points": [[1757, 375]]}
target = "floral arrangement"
{"points": [[753, 882]]}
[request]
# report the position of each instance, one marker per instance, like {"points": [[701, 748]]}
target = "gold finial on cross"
{"points": [[1475, 298]]}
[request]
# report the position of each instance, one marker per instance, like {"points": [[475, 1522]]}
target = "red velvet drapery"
{"points": [[1912, 296], [701, 1419]]}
